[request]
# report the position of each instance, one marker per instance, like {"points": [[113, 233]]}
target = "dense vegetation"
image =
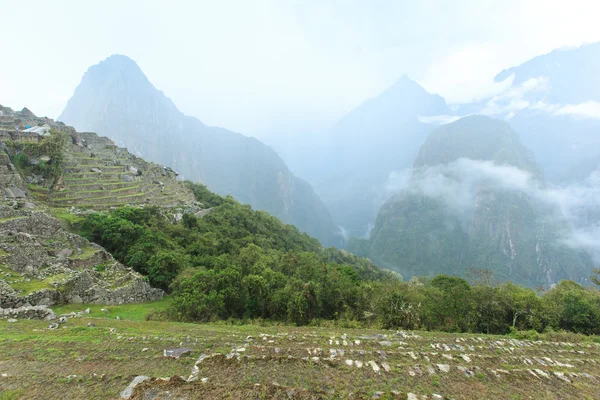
{"points": [[239, 263], [235, 262]]}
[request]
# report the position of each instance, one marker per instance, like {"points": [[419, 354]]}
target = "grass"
{"points": [[132, 312], [11, 394], [2, 220], [81, 362], [65, 215], [34, 285], [86, 252], [18, 282]]}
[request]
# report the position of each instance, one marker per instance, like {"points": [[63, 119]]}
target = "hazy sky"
{"points": [[270, 65]]}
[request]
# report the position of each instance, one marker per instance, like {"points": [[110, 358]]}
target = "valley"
{"points": [[300, 200]]}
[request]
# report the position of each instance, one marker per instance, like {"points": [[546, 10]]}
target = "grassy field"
{"points": [[98, 362]]}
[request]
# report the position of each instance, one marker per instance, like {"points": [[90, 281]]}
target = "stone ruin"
{"points": [[41, 263]]}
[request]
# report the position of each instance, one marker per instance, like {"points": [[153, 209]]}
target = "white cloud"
{"points": [[587, 110], [514, 98]]}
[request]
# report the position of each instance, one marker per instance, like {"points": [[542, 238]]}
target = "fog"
{"points": [[275, 68], [458, 184]]}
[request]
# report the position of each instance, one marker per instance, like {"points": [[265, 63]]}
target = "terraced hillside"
{"points": [[97, 357], [92, 173], [97, 174]]}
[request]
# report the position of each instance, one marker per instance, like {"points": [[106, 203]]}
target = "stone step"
{"points": [[138, 197], [98, 185], [77, 194]]}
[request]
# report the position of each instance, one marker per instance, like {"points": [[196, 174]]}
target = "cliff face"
{"points": [[468, 204], [116, 99]]}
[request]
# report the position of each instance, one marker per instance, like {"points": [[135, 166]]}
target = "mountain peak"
{"points": [[116, 67], [477, 137], [119, 61]]}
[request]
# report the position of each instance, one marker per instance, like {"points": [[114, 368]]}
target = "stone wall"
{"points": [[36, 312]]}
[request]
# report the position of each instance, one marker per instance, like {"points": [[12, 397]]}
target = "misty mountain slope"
{"points": [[380, 136], [560, 142], [116, 99], [474, 199], [560, 92]]}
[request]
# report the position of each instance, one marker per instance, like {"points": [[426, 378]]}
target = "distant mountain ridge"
{"points": [[116, 99], [380, 136], [561, 118]]}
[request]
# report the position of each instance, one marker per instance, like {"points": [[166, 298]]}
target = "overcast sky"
{"points": [[268, 65]]}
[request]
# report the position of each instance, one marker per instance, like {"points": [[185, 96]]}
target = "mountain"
{"points": [[116, 99], [471, 203], [572, 74], [380, 136], [561, 94]]}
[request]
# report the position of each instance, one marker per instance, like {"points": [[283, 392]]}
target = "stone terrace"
{"points": [[98, 174]]}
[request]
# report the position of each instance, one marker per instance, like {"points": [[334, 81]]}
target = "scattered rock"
{"points": [[561, 376], [374, 365], [443, 367], [11, 320], [96, 170], [62, 319], [53, 326], [90, 325], [128, 391], [176, 353]]}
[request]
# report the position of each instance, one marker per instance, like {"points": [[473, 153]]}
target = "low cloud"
{"points": [[587, 110], [438, 119], [514, 98], [458, 184]]}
